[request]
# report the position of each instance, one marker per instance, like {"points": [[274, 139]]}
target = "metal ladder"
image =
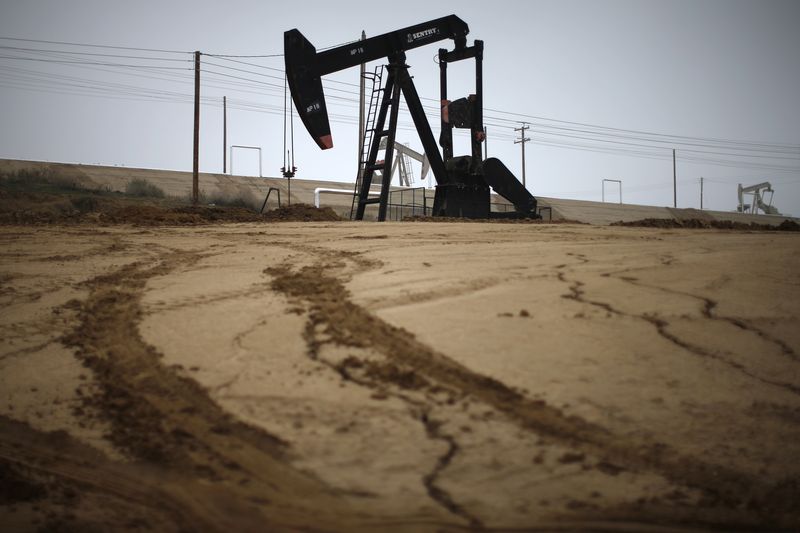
{"points": [[396, 81], [369, 131]]}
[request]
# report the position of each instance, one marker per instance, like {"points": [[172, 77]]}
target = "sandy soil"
{"points": [[398, 376]]}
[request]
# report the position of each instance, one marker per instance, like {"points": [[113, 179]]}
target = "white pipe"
{"points": [[319, 190]]}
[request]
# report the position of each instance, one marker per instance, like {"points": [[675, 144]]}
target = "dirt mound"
{"points": [[693, 223], [150, 215], [492, 220], [301, 213], [187, 215], [56, 196], [34, 208]]}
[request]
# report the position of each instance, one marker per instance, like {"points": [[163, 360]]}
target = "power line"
{"points": [[282, 72], [604, 149], [669, 143], [241, 78], [225, 56], [67, 62], [337, 45], [668, 138], [60, 80], [701, 139], [243, 70], [742, 145], [601, 139], [267, 84], [625, 143], [139, 72], [94, 54], [96, 45]]}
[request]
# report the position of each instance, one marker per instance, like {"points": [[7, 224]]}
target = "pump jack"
{"points": [[401, 162], [463, 182]]}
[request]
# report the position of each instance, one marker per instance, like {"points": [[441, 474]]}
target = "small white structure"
{"points": [[402, 163]]}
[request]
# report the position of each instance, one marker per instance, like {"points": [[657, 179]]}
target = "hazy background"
{"points": [[608, 88]]}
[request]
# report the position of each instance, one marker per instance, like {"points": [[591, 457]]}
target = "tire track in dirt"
{"points": [[334, 318], [48, 327], [253, 291], [226, 475], [387, 379], [454, 290], [26, 350], [69, 477]]}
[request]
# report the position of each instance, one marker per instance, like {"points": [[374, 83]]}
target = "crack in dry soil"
{"points": [[661, 326], [433, 429], [387, 379], [709, 311], [342, 322], [577, 293]]}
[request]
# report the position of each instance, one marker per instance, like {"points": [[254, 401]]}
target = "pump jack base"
{"points": [[459, 200]]}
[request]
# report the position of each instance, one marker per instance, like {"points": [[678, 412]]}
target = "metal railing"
{"points": [[413, 202], [408, 203], [501, 208], [267, 198], [549, 212]]}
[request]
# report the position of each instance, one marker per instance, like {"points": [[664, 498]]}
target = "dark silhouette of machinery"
{"points": [[464, 182]]}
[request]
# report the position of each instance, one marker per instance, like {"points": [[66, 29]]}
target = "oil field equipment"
{"points": [[759, 193], [464, 182]]}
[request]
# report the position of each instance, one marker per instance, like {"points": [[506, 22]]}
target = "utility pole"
{"points": [[196, 158], [224, 135], [485, 144], [522, 140], [701, 193], [674, 182], [361, 118]]}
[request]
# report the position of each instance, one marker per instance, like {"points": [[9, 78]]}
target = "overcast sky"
{"points": [[608, 88]]}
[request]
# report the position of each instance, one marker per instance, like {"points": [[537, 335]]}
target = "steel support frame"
{"points": [[476, 128], [398, 81]]}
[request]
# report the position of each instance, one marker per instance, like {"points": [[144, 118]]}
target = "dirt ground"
{"points": [[338, 376]]}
